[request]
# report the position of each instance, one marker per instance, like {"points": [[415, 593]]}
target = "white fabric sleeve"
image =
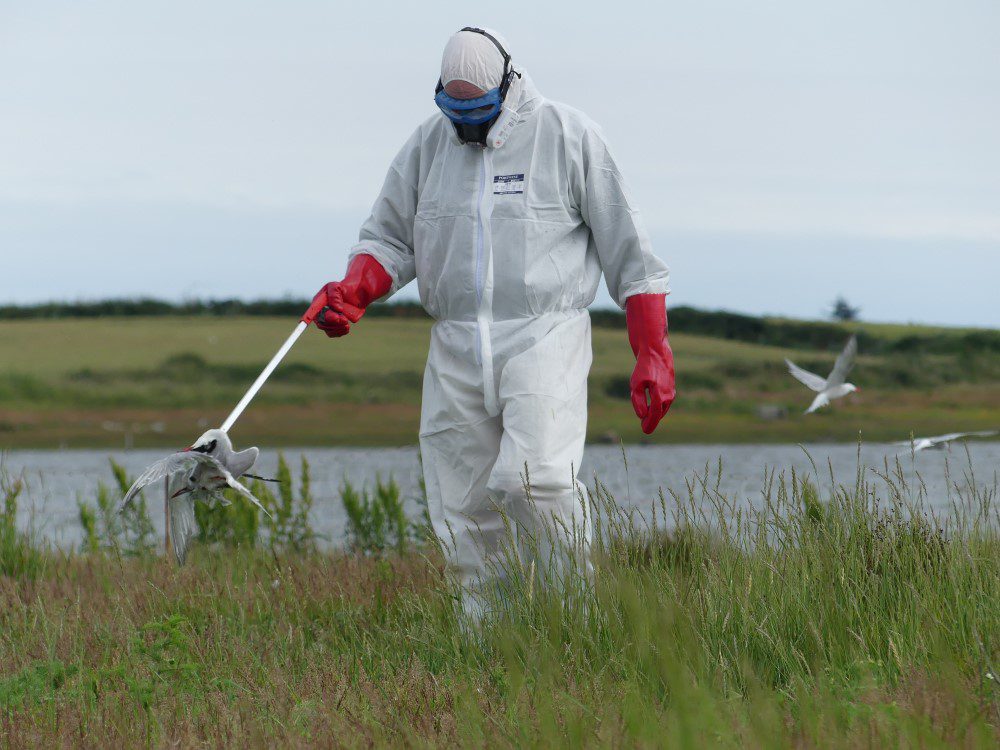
{"points": [[387, 234], [623, 245]]}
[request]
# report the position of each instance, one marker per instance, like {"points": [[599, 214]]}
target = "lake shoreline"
{"points": [[56, 481], [387, 425]]}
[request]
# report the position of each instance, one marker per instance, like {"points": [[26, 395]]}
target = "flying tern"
{"points": [[202, 471], [833, 386], [918, 444]]}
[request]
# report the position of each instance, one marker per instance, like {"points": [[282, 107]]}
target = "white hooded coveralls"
{"points": [[507, 244]]}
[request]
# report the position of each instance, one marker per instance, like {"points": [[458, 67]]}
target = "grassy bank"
{"points": [[89, 382], [815, 622]]}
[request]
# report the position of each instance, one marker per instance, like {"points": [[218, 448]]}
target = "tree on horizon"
{"points": [[843, 310]]}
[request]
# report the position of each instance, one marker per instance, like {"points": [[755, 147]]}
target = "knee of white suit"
{"points": [[506, 488], [547, 501], [545, 484]]}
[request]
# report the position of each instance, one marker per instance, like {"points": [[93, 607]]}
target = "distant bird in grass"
{"points": [[208, 467], [941, 441], [835, 385]]}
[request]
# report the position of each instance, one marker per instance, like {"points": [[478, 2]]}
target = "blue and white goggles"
{"points": [[470, 111]]}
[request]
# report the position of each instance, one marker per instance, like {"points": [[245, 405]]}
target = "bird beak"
{"points": [[180, 492], [189, 448]]}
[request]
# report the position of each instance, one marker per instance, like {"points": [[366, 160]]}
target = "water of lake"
{"points": [[57, 480]]}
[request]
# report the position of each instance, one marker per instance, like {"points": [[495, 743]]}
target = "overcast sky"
{"points": [[781, 152]]}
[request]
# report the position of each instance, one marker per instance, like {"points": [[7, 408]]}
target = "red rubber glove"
{"points": [[652, 381], [346, 300]]}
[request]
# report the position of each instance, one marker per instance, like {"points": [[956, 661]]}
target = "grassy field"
{"points": [[85, 383], [815, 622]]}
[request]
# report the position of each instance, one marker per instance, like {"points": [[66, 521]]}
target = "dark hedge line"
{"points": [[802, 334], [154, 307], [795, 334]]}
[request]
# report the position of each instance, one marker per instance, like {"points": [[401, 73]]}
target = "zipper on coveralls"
{"points": [[484, 286], [480, 231]]}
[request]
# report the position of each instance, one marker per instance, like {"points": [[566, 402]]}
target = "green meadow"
{"points": [[87, 382]]}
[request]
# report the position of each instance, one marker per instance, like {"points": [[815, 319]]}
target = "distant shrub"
{"points": [[981, 341], [299, 372], [190, 366], [185, 361], [696, 379], [946, 343], [617, 386], [89, 375], [15, 386], [738, 370]]}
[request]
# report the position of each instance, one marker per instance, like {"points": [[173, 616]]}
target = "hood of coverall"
{"points": [[473, 66]]}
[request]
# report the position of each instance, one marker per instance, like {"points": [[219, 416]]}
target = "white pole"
{"points": [[262, 378], [166, 515], [318, 303]]}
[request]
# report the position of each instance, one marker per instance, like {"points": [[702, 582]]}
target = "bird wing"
{"points": [[938, 439], [183, 526], [923, 443], [985, 433], [242, 462], [163, 468], [232, 482], [844, 363], [809, 379], [819, 402]]}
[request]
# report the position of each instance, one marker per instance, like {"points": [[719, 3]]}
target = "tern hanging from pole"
{"points": [[210, 465]]}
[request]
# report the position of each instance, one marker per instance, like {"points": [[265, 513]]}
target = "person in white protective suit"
{"points": [[506, 208]]}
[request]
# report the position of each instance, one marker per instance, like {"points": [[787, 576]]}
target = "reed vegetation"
{"points": [[800, 618]]}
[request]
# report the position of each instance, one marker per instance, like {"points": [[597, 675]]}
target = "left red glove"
{"points": [[346, 300], [652, 383]]}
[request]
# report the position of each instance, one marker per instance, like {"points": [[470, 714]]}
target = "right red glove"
{"points": [[652, 382], [365, 282]]}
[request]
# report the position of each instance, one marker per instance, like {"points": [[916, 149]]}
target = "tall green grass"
{"points": [[127, 533], [809, 618], [19, 555]]}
